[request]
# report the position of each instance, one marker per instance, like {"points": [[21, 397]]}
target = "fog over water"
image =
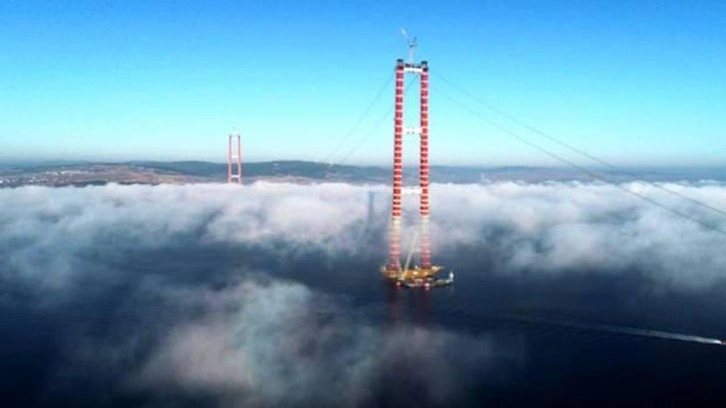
{"points": [[268, 295]]}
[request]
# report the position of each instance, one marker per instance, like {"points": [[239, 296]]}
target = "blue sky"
{"points": [[634, 82]]}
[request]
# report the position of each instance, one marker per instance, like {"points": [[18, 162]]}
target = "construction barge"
{"points": [[417, 277]]}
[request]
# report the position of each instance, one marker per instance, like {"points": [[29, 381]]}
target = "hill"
{"points": [[152, 172]]}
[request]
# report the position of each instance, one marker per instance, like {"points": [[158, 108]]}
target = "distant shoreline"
{"points": [[193, 172]]}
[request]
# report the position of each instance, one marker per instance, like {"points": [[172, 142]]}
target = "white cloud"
{"points": [[48, 234], [271, 342], [282, 344]]}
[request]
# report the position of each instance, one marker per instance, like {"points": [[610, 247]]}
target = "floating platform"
{"points": [[418, 277]]}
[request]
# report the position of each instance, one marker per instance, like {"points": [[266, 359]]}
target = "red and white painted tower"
{"points": [[394, 253], [424, 168], [234, 159], [421, 275]]}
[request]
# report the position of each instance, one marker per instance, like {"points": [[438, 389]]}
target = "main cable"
{"points": [[373, 129], [569, 146], [360, 119], [590, 173]]}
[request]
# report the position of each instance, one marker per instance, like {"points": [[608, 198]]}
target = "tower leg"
{"points": [[394, 261], [239, 159], [424, 169], [229, 160]]}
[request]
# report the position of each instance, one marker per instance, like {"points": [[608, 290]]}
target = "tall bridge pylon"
{"points": [[234, 159], [422, 274]]}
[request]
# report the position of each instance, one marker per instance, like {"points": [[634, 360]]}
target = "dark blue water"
{"points": [[487, 355]]}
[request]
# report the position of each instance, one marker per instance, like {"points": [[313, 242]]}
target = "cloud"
{"points": [[177, 293], [62, 230], [550, 228], [270, 342], [280, 344], [562, 227]]}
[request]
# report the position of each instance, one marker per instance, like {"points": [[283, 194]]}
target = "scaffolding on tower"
{"points": [[425, 273]]}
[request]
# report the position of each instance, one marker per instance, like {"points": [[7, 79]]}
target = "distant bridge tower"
{"points": [[234, 159], [423, 274]]}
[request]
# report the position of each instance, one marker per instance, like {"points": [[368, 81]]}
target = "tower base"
{"points": [[417, 277]]}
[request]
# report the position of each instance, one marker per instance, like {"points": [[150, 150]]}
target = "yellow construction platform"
{"points": [[417, 277], [410, 274]]}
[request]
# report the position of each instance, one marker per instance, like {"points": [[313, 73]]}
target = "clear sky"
{"points": [[635, 82]]}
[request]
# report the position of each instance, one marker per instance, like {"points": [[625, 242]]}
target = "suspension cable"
{"points": [[568, 146], [365, 113], [590, 173], [372, 130]]}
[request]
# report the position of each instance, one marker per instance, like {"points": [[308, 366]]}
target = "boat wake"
{"points": [[623, 330]]}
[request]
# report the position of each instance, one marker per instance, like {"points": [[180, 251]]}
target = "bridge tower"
{"points": [[234, 159], [422, 274]]}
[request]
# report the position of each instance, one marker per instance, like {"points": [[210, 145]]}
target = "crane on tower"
{"points": [[411, 42]]}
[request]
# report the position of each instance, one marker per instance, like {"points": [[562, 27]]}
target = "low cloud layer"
{"points": [[561, 227], [132, 307], [279, 343], [552, 227]]}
